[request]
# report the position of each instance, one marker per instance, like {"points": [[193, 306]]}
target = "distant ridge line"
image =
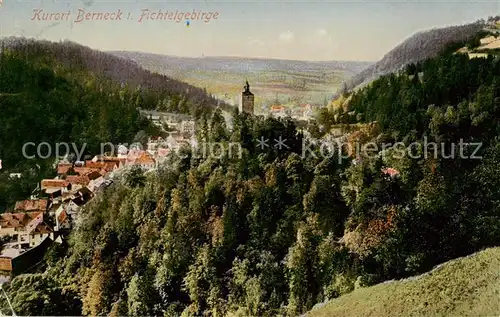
{"points": [[229, 57]]}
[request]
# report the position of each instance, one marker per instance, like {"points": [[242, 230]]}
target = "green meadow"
{"points": [[468, 286]]}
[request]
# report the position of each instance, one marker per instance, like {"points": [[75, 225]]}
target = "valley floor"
{"points": [[467, 286]]}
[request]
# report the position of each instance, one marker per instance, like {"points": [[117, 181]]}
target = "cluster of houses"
{"points": [[52, 213], [183, 124], [303, 112], [35, 223]]}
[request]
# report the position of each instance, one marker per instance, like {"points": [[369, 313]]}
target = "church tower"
{"points": [[247, 100]]}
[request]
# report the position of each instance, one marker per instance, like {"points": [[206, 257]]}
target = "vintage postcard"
{"points": [[249, 158]]}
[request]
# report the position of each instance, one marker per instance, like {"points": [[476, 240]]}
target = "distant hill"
{"points": [[273, 81], [466, 286], [121, 70], [170, 65], [420, 46]]}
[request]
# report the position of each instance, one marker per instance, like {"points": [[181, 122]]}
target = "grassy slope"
{"points": [[467, 286]]}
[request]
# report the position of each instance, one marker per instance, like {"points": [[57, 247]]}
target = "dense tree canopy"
{"points": [[66, 93], [277, 230]]}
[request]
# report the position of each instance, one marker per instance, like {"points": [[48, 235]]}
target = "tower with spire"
{"points": [[247, 100]]}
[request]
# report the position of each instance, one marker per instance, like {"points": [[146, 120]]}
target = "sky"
{"points": [[298, 30]]}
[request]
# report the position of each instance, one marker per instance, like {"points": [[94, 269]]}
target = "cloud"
{"points": [[255, 42], [322, 32], [287, 36], [322, 35]]}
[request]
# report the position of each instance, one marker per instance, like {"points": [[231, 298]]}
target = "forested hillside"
{"points": [[64, 92], [421, 46], [278, 230], [120, 70]]}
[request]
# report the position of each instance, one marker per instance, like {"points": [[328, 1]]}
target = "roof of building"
{"points": [[62, 217], [82, 196], [104, 166], [93, 175], [106, 161], [78, 180], [92, 164], [277, 108], [54, 183], [111, 165], [63, 168], [42, 228], [390, 171], [105, 158], [54, 193], [17, 220], [66, 196], [145, 158], [247, 89], [132, 155], [87, 170], [55, 205], [83, 191], [114, 159], [79, 201], [32, 205]]}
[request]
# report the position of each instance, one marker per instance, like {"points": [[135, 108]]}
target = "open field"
{"points": [[272, 81], [467, 286], [269, 87]]}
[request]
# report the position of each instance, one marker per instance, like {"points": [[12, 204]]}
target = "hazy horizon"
{"points": [[303, 31], [239, 57]]}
